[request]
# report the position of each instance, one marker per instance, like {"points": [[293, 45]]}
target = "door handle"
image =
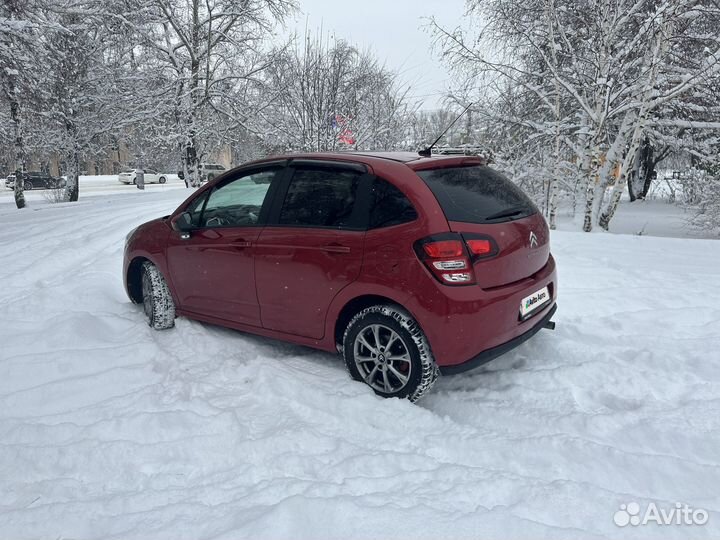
{"points": [[241, 243], [335, 248]]}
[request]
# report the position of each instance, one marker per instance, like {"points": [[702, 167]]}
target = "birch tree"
{"points": [[599, 70]]}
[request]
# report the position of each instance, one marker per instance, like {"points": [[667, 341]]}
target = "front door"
{"points": [[213, 270], [311, 250]]}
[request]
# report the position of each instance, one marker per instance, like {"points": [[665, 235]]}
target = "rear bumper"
{"points": [[490, 354], [462, 323]]}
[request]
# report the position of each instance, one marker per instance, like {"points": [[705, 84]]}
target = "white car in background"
{"points": [[129, 176], [208, 171]]}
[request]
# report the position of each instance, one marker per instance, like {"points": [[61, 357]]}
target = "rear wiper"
{"points": [[508, 212]]}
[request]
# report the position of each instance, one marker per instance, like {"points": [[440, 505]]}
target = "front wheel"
{"points": [[385, 348], [27, 185], [162, 180], [157, 301]]}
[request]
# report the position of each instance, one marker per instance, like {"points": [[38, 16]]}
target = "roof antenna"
{"points": [[428, 151]]}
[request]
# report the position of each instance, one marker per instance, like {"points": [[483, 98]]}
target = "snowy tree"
{"points": [[196, 55], [596, 72], [78, 103], [19, 27], [331, 96]]}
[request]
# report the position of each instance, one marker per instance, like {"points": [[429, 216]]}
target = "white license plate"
{"points": [[535, 301]]}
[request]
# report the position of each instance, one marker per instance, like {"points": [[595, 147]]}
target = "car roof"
{"points": [[413, 160]]}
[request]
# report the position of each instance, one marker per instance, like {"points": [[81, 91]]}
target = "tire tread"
{"points": [[429, 369], [163, 314]]}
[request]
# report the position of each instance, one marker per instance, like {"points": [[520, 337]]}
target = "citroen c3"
{"points": [[410, 266]]}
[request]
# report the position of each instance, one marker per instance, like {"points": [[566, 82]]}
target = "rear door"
{"points": [[478, 200], [313, 245], [212, 270]]}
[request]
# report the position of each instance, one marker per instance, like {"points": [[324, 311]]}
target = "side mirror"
{"points": [[183, 223]]}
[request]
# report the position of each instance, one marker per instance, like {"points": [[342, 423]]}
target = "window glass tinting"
{"points": [[320, 198], [389, 206], [477, 194]]}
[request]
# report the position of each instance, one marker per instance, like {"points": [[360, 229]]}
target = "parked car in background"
{"points": [[408, 265], [129, 176], [208, 172], [36, 180]]}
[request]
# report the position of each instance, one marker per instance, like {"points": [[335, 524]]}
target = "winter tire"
{"points": [[27, 185], [162, 180], [134, 181], [384, 347], [157, 301]]}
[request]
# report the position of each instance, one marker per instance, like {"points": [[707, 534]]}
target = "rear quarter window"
{"points": [[477, 194], [389, 206]]}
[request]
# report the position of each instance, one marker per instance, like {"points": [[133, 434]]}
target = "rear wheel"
{"points": [[27, 184], [162, 180], [385, 348], [157, 301]]}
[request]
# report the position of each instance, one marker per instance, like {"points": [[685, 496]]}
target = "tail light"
{"points": [[450, 256]]}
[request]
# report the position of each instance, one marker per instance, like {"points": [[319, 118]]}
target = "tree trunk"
{"points": [[19, 145], [625, 172], [661, 45], [190, 164], [72, 188], [593, 185], [649, 162], [552, 203], [553, 187], [634, 177], [190, 158]]}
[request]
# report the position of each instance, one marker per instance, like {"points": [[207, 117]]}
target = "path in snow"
{"points": [[111, 430]]}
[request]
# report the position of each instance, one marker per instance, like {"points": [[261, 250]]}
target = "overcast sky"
{"points": [[393, 30]]}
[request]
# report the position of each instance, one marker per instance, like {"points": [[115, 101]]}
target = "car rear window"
{"points": [[477, 194]]}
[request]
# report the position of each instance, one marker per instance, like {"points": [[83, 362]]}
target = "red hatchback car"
{"points": [[409, 265]]}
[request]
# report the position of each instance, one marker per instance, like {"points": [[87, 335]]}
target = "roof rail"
{"points": [[465, 150]]}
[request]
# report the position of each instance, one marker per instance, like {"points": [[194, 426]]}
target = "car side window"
{"points": [[389, 206], [195, 210], [320, 198], [237, 203]]}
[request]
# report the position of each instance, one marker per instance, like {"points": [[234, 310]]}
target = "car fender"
{"points": [[152, 248], [355, 290]]}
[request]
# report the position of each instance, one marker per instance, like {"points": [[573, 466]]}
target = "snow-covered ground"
{"points": [[111, 430]]}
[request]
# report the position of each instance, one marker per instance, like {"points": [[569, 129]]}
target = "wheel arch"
{"points": [[133, 279], [355, 305]]}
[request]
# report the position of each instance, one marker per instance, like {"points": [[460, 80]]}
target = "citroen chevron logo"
{"points": [[533, 240]]}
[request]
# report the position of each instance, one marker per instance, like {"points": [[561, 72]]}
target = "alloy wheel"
{"points": [[382, 358]]}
